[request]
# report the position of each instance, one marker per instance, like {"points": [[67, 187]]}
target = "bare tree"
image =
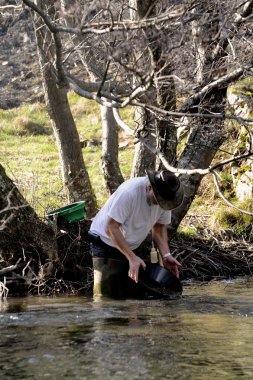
{"points": [[74, 173], [181, 49], [96, 71], [24, 238], [112, 175]]}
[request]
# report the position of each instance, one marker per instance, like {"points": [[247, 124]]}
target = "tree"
{"points": [[74, 173], [163, 64], [96, 71], [170, 60], [26, 242]]}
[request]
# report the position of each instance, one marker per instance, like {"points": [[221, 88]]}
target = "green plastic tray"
{"points": [[70, 213]]}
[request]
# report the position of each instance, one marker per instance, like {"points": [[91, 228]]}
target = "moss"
{"points": [[187, 232]]}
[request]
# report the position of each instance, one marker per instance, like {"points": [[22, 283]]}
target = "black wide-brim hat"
{"points": [[167, 188]]}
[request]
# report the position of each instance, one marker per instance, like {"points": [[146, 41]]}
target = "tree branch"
{"points": [[6, 220], [89, 95], [223, 81], [10, 268], [176, 114], [3, 290], [215, 178], [51, 26], [86, 90], [162, 158], [104, 27]]}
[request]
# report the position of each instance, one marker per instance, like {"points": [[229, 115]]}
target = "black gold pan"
{"points": [[159, 282]]}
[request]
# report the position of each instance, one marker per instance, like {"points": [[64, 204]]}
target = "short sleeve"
{"points": [[165, 217], [122, 207]]}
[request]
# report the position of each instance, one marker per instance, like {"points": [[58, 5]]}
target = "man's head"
{"points": [[167, 189]]}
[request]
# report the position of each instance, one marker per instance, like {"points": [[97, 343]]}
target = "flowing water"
{"points": [[206, 334]]}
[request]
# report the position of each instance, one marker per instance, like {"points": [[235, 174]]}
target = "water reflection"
{"points": [[206, 334]]}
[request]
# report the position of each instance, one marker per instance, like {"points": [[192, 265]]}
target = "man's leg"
{"points": [[111, 273], [110, 277]]}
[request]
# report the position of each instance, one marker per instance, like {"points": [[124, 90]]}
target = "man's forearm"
{"points": [[160, 237], [119, 241], [116, 236]]}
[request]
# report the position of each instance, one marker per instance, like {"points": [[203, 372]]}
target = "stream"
{"points": [[205, 334]]}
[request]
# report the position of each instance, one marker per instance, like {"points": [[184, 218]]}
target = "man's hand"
{"points": [[134, 265], [172, 264]]}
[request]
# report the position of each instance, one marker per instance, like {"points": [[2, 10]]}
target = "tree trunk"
{"points": [[112, 175], [205, 137], [23, 236], [109, 158], [143, 158], [74, 173], [163, 95], [110, 137], [166, 131]]}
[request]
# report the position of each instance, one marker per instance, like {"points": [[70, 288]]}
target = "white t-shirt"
{"points": [[128, 206]]}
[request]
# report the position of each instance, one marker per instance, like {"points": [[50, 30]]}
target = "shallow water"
{"points": [[205, 334]]}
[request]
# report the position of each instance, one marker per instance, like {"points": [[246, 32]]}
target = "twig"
{"points": [[3, 290], [215, 177], [10, 268]]}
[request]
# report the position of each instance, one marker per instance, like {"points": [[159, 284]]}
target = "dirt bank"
{"points": [[20, 79]]}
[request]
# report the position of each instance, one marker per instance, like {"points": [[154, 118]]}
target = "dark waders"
{"points": [[111, 272]]}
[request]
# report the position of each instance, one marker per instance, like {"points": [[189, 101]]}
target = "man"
{"points": [[138, 206]]}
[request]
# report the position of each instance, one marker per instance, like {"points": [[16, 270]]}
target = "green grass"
{"points": [[30, 157], [228, 218]]}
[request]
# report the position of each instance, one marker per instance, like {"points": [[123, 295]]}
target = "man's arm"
{"points": [[114, 232], [160, 237]]}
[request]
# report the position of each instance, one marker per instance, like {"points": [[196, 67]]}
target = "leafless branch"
{"points": [[215, 178], [224, 80], [162, 158], [138, 91], [11, 6], [3, 290], [109, 26], [245, 15], [86, 91], [127, 25], [130, 98], [234, 159], [6, 220], [9, 207], [218, 116], [103, 79], [51, 26], [89, 95], [10, 268]]}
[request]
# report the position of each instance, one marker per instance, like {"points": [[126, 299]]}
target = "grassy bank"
{"points": [[30, 157]]}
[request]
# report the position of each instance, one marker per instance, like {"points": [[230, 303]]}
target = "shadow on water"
{"points": [[205, 334]]}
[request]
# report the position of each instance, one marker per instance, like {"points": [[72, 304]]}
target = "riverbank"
{"points": [[204, 258]]}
